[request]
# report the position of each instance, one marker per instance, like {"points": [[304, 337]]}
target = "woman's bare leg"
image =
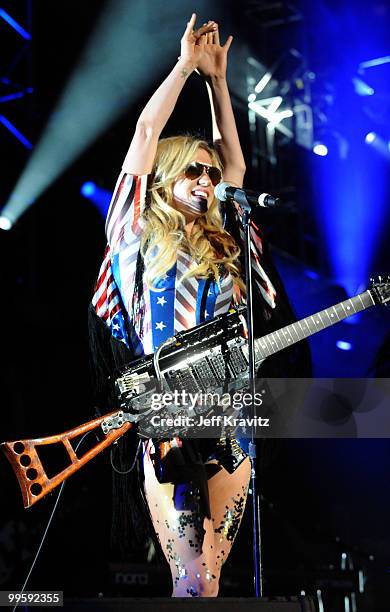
{"points": [[228, 494], [196, 568]]}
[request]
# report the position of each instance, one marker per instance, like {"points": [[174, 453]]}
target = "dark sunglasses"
{"points": [[195, 170]]}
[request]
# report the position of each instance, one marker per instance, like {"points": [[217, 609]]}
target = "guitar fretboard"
{"points": [[282, 338]]}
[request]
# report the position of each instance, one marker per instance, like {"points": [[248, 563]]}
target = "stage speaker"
{"points": [[222, 604]]}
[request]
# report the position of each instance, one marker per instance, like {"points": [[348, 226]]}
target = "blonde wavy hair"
{"points": [[211, 247]]}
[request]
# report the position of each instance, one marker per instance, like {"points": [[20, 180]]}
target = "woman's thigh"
{"points": [[228, 495], [186, 539]]}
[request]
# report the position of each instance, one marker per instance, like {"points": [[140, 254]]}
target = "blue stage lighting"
{"points": [[379, 144], [343, 345], [350, 184], [101, 198], [320, 149], [353, 320], [15, 96], [379, 61], [312, 274], [18, 28], [15, 132], [103, 86], [361, 88], [5, 223], [370, 137], [88, 189]]}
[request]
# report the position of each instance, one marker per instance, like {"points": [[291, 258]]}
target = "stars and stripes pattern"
{"points": [[186, 295], [161, 309], [224, 297], [178, 304], [259, 275], [106, 300]]}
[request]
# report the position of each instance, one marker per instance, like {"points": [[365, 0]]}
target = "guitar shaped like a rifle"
{"points": [[211, 356]]}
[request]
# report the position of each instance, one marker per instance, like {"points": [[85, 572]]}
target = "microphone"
{"points": [[225, 192]]}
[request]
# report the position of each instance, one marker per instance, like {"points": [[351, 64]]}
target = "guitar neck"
{"points": [[286, 336]]}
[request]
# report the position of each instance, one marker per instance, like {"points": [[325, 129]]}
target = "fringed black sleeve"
{"points": [[130, 521]]}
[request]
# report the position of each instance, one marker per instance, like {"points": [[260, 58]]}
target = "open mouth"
{"points": [[199, 194], [199, 198]]}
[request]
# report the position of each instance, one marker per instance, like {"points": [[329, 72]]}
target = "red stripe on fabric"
{"points": [[184, 302], [183, 259], [123, 210], [179, 317], [107, 262], [104, 316], [220, 305], [190, 288], [137, 202], [102, 277], [114, 310], [257, 241], [227, 286], [112, 295], [116, 198], [102, 299]]}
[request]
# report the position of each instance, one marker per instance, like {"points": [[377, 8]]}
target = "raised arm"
{"points": [[213, 66], [142, 151]]}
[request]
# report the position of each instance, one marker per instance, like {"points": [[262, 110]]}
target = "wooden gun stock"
{"points": [[24, 458]]}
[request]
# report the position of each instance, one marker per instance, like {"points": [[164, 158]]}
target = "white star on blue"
{"points": [[118, 328]]}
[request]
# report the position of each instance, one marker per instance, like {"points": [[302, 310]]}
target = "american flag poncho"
{"points": [[144, 319]]}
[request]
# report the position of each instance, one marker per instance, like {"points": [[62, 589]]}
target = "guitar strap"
{"points": [[204, 298]]}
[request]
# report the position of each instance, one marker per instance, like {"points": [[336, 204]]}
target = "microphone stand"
{"points": [[244, 198], [257, 558]]}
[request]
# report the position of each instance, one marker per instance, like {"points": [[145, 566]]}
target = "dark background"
{"points": [[321, 498]]}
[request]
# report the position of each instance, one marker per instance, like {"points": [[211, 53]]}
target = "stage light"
{"points": [[251, 97], [370, 137], [361, 88], [379, 144], [350, 182], [88, 189], [361, 581], [343, 345], [15, 132], [101, 198], [268, 109], [374, 62], [278, 117], [320, 149], [16, 96], [312, 274], [262, 84], [354, 319], [5, 223], [320, 601], [115, 70], [14, 24]]}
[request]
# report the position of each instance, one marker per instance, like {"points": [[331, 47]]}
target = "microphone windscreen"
{"points": [[220, 191]]}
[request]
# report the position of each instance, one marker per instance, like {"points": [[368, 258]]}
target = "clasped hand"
{"points": [[202, 48]]}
